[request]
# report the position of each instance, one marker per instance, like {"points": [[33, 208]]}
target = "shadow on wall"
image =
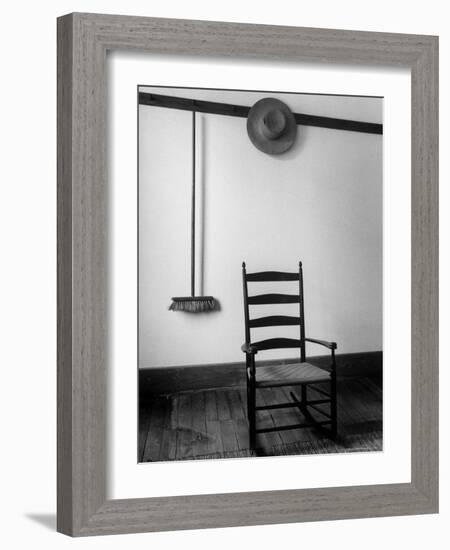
{"points": [[46, 520]]}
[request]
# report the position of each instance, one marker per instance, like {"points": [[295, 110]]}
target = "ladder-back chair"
{"points": [[300, 373]]}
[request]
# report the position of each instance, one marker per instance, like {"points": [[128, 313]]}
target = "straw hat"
{"points": [[271, 126]]}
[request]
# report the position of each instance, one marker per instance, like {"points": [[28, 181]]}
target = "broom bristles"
{"points": [[194, 304]]}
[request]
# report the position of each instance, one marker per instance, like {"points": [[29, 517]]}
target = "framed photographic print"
{"points": [[253, 199], [247, 274]]}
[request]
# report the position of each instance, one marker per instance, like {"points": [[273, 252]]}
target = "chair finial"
{"points": [[243, 265]]}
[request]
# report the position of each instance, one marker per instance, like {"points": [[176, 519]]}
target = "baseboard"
{"points": [[164, 380]]}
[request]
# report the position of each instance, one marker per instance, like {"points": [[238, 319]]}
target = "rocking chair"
{"points": [[300, 373]]}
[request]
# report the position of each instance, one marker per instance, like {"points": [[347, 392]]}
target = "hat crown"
{"points": [[273, 123]]}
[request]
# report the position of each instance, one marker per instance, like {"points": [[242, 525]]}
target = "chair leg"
{"points": [[334, 425], [304, 394], [251, 412], [303, 406], [248, 401]]}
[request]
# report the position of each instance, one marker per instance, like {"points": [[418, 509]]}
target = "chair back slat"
{"points": [[261, 299], [277, 343], [274, 321], [272, 276]]}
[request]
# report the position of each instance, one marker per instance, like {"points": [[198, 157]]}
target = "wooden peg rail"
{"points": [[227, 109]]}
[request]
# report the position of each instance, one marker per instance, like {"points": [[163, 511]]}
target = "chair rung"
{"points": [[292, 427], [277, 406], [292, 404]]}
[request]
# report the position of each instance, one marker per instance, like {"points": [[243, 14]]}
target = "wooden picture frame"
{"points": [[83, 40]]}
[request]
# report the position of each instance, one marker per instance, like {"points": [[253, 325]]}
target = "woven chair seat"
{"points": [[289, 375]]}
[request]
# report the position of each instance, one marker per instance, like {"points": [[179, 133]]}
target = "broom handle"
{"points": [[193, 209]]}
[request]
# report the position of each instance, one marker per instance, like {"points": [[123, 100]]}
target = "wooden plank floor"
{"points": [[201, 423]]}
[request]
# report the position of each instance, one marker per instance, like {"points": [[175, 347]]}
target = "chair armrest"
{"points": [[329, 345], [248, 348]]}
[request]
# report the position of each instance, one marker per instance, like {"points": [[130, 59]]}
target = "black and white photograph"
{"points": [[221, 260], [260, 273]]}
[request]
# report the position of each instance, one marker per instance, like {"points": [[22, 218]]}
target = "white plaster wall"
{"points": [[320, 203]]}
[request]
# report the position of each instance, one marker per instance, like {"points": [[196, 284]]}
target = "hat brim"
{"points": [[255, 127]]}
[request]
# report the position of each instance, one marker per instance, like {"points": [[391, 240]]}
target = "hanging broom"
{"points": [[192, 303]]}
